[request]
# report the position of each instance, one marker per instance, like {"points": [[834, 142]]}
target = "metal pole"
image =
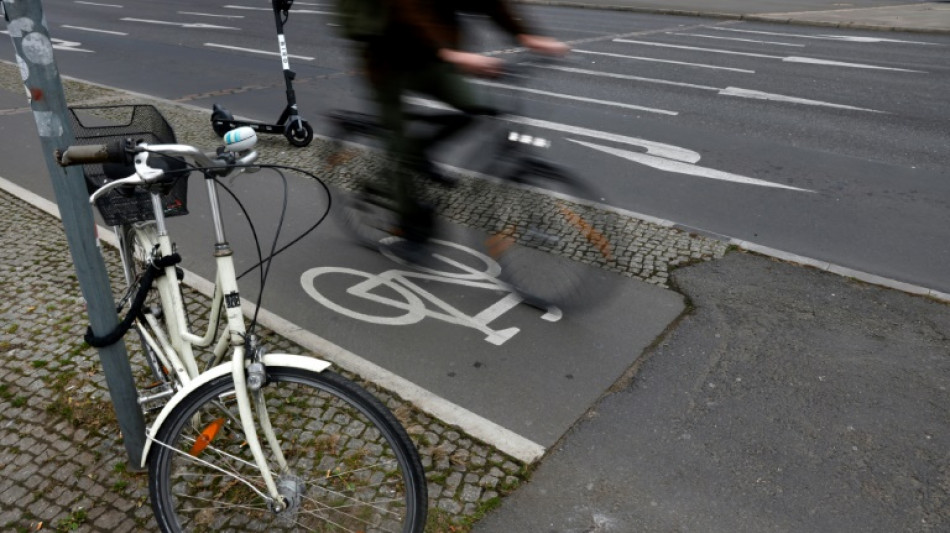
{"points": [[34, 55]]}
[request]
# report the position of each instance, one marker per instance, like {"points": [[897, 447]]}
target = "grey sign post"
{"points": [[34, 51]]}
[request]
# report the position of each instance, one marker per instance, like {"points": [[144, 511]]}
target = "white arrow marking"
{"points": [[296, 11], [94, 30], [847, 38], [729, 91], [199, 25], [792, 59], [210, 15], [759, 95], [684, 168], [814, 61], [253, 51], [95, 4], [576, 98], [667, 151], [68, 46], [654, 60], [733, 39]]}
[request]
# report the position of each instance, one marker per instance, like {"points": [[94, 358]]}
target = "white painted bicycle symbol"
{"points": [[400, 290]]}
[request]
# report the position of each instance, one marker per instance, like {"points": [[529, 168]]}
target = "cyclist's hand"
{"points": [[544, 45], [472, 64]]}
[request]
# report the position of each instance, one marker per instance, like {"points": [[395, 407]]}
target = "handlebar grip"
{"points": [[92, 153]]}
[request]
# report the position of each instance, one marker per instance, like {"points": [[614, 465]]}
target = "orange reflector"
{"points": [[206, 436]]}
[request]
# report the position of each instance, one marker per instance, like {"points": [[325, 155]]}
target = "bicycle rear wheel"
{"points": [[351, 465], [136, 245], [547, 235]]}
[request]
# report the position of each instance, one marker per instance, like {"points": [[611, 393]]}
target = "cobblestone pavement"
{"points": [[62, 464]]}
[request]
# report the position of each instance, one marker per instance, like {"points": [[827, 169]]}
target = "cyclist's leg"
{"points": [[388, 89]]}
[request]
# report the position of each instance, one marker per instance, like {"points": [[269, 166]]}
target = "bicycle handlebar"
{"points": [[221, 162]]}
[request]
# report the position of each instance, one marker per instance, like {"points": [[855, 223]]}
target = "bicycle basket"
{"points": [[105, 124]]}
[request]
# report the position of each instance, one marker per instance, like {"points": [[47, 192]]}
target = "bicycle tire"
{"points": [[342, 444], [548, 233]]}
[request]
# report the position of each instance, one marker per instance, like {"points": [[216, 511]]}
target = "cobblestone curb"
{"points": [[62, 465]]}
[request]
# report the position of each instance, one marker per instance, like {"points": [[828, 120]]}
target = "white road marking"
{"points": [[684, 168], [734, 39], [199, 25], [296, 11], [504, 439], [684, 47], [759, 95], [728, 91], [655, 60], [253, 51], [626, 77], [815, 61], [94, 30], [97, 4], [660, 156], [210, 15], [576, 98], [790, 59], [667, 151], [67, 46], [846, 38]]}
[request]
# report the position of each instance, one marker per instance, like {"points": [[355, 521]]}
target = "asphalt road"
{"points": [[827, 144]]}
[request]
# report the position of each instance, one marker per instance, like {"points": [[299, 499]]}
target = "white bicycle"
{"points": [[265, 441]]}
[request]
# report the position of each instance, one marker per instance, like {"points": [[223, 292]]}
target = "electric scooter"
{"points": [[290, 125]]}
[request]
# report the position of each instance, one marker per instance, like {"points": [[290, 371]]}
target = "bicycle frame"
{"points": [[178, 348]]}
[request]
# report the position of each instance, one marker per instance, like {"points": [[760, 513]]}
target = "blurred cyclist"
{"points": [[415, 47]]}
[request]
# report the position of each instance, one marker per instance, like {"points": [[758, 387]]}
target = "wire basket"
{"points": [[106, 124]]}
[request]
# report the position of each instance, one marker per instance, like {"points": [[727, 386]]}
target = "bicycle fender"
{"points": [[270, 360]]}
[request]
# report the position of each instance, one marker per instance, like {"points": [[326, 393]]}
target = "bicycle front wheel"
{"points": [[351, 466], [551, 237]]}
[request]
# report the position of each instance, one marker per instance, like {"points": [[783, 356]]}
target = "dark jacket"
{"points": [[417, 29]]}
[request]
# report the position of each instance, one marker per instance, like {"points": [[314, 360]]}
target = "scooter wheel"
{"points": [[220, 128], [299, 133]]}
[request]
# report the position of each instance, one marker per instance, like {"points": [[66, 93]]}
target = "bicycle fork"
{"points": [[240, 370]]}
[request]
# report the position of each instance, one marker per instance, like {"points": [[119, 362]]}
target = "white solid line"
{"points": [[97, 4], [626, 77], [683, 47], [734, 39], [93, 30], [846, 38], [210, 15], [576, 98], [198, 25], [253, 51], [655, 60], [479, 427], [759, 95]]}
